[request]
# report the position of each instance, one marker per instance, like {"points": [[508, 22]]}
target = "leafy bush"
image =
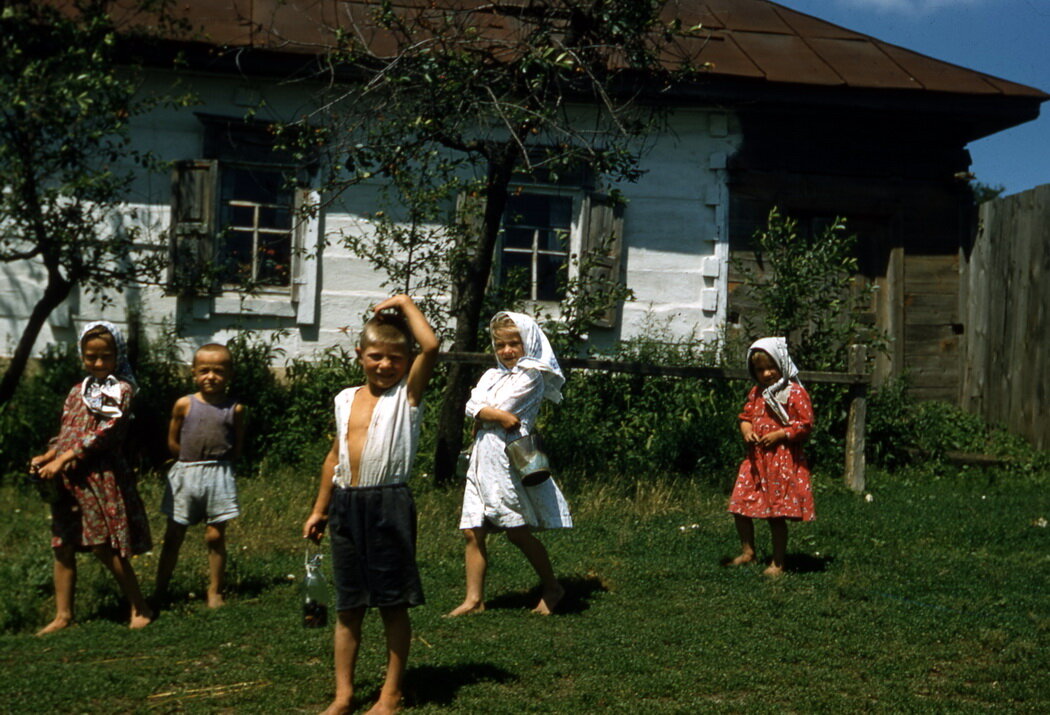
{"points": [[612, 425], [807, 292], [901, 430]]}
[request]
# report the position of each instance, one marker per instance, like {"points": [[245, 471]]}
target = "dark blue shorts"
{"points": [[373, 534]]}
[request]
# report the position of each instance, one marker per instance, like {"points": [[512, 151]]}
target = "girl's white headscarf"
{"points": [[539, 355], [776, 395], [102, 397]]}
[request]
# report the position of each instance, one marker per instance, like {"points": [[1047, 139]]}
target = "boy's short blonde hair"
{"points": [[387, 329], [227, 356]]}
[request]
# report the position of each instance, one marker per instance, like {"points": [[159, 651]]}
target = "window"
{"points": [[534, 244], [544, 227], [239, 225], [256, 209]]}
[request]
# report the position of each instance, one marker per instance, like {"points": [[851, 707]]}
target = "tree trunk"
{"points": [[469, 297], [57, 290]]}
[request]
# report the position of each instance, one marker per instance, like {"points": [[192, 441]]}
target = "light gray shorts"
{"points": [[200, 491]]}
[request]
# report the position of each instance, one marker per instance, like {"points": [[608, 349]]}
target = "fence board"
{"points": [[1006, 311]]}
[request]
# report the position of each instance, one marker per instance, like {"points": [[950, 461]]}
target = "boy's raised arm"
{"points": [[423, 366]]}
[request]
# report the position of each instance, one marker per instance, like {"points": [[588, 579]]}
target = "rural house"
{"points": [[794, 112]]}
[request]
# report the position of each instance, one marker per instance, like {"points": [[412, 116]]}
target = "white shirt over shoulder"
{"points": [[393, 436]]}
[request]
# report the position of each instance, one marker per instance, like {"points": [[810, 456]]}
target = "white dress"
{"points": [[491, 494]]}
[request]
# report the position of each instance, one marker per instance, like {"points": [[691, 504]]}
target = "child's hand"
{"points": [[53, 468], [314, 527], [509, 421], [393, 302], [772, 438], [751, 437]]}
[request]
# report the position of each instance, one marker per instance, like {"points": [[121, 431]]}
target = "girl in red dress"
{"points": [[98, 508], [773, 481]]}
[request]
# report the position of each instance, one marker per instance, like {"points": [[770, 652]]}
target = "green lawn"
{"points": [[932, 596]]}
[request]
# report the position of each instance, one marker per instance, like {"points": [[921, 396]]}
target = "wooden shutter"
{"points": [[601, 249], [306, 256], [191, 238]]}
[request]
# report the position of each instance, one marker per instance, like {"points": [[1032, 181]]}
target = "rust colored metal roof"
{"points": [[747, 39]]}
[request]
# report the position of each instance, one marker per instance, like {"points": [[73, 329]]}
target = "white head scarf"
{"points": [[102, 397], [539, 355], [777, 394]]}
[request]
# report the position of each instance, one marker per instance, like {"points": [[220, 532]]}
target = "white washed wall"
{"points": [[674, 241]]}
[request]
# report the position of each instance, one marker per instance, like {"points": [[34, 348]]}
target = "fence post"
{"points": [[855, 428]]}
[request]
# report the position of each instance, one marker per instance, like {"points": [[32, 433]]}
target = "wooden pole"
{"points": [[855, 429]]}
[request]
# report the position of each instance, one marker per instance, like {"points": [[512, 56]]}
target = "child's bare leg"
{"points": [[745, 529], [779, 531], [536, 553], [120, 567], [169, 556], [347, 641], [215, 538], [65, 575], [398, 630], [476, 557]]}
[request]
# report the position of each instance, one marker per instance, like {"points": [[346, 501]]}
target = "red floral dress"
{"points": [[100, 505], [774, 482]]}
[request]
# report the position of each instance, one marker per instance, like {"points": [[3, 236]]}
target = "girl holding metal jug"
{"points": [[507, 483]]}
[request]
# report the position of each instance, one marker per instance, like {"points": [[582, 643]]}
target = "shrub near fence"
{"points": [[610, 425]]}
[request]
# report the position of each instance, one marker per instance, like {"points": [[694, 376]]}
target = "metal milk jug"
{"points": [[528, 459]]}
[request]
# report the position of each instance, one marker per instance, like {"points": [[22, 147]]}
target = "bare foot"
{"points": [[58, 624], [215, 600], [141, 619], [339, 707], [741, 559], [549, 600], [465, 609], [773, 571], [386, 704]]}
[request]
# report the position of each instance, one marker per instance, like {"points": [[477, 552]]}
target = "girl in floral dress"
{"points": [[98, 508], [773, 481]]}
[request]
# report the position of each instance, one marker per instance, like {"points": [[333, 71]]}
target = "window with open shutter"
{"points": [[241, 223]]}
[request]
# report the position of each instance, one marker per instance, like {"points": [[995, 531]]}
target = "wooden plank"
{"points": [[932, 274], [855, 426]]}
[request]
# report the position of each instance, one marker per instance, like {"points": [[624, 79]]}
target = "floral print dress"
{"points": [[773, 482], [100, 504]]}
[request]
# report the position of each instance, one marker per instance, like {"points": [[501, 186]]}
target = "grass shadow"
{"points": [[808, 563], [796, 563], [438, 685], [578, 593]]}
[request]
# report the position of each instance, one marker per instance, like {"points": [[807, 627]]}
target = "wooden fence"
{"points": [[1005, 302], [858, 381]]}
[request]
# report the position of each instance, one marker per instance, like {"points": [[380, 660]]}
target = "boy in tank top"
{"points": [[205, 435]]}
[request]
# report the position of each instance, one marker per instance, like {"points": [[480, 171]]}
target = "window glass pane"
{"points": [[517, 238], [556, 240], [560, 215], [240, 216], [237, 258], [275, 217], [275, 260], [549, 277], [515, 270], [526, 210]]}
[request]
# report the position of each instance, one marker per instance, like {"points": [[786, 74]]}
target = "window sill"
{"points": [[277, 306]]}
